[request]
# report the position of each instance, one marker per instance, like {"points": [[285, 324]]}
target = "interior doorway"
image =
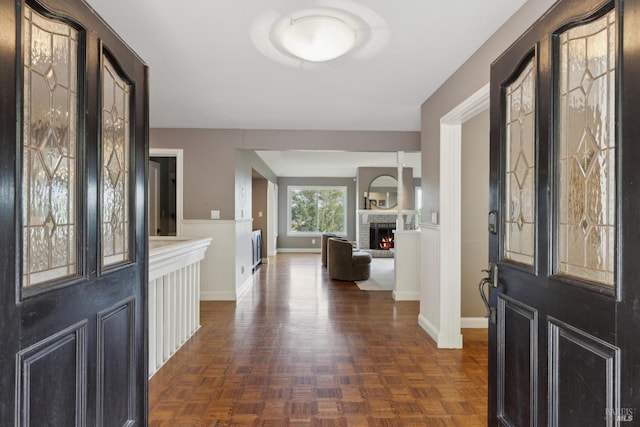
{"points": [[154, 196], [450, 215], [474, 239], [167, 206], [162, 202], [260, 213]]}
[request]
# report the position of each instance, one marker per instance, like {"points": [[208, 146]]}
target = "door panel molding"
{"points": [[116, 363], [577, 358], [517, 361], [43, 390]]}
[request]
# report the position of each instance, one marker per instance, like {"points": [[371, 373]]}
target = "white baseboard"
{"points": [[244, 288], [474, 322], [431, 330], [450, 341], [217, 296], [299, 250], [442, 341], [406, 296]]}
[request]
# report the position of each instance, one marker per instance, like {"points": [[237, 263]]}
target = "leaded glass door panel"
{"points": [[563, 345], [73, 218]]}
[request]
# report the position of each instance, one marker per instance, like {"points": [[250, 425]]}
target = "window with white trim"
{"points": [[313, 210]]}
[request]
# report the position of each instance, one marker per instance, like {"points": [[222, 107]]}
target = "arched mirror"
{"points": [[383, 193]]}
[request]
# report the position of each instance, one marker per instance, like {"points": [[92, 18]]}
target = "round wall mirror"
{"points": [[383, 193]]}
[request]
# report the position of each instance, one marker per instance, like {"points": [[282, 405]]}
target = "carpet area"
{"points": [[382, 276]]}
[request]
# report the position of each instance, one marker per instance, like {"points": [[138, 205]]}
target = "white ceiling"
{"points": [[212, 64]]}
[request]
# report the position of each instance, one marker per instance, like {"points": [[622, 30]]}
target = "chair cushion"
{"points": [[360, 258]]}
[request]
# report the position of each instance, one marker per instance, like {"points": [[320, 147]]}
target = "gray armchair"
{"points": [[345, 264], [325, 238]]}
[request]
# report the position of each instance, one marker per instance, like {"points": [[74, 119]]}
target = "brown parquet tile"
{"points": [[302, 350]]}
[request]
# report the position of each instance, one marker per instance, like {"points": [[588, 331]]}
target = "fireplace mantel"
{"points": [[384, 212]]}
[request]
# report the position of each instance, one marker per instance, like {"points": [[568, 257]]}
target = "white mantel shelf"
{"points": [[383, 212]]}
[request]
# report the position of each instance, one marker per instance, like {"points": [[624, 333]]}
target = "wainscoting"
{"points": [[407, 266], [226, 269], [439, 303]]}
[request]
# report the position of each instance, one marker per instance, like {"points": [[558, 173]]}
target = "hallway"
{"points": [[302, 350]]}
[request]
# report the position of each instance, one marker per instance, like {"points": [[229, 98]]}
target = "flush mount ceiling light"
{"points": [[318, 38]]}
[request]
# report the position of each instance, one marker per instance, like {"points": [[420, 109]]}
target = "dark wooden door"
{"points": [[73, 235], [564, 182]]}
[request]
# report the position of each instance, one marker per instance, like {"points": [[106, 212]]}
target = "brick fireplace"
{"points": [[379, 221]]}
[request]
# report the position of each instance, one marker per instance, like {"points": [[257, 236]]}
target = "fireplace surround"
{"points": [[367, 218]]}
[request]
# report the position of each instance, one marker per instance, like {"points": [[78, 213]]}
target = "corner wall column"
{"points": [[400, 221]]}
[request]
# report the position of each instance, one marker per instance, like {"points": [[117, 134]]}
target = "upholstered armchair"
{"points": [[325, 238], [343, 263]]}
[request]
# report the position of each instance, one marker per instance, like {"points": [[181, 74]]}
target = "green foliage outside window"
{"points": [[317, 210]]}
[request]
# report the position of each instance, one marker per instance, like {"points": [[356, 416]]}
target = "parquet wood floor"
{"points": [[302, 350]]}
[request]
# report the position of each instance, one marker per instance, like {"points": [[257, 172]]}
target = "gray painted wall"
{"points": [[475, 202], [216, 170], [209, 168], [289, 242], [467, 80], [246, 162]]}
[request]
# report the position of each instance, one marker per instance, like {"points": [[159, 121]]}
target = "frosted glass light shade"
{"points": [[318, 38]]}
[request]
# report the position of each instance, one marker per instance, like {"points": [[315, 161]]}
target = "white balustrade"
{"points": [[173, 294]]}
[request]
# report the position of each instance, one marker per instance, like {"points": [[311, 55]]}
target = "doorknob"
{"points": [[491, 280]]}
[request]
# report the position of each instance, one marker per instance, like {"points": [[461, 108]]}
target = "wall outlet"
{"points": [[434, 217], [215, 214], [259, 214], [313, 241]]}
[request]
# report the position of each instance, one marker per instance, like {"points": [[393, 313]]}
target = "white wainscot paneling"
{"points": [[407, 265], [244, 261], [439, 302], [218, 268], [173, 295]]}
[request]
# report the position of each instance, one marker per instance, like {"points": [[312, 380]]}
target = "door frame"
{"points": [[450, 214], [178, 153]]}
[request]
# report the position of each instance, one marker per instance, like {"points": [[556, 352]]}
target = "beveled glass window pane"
{"points": [[49, 147], [115, 166], [586, 152], [520, 168]]}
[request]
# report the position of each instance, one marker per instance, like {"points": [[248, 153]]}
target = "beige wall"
{"points": [[217, 163], [467, 80], [475, 202]]}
